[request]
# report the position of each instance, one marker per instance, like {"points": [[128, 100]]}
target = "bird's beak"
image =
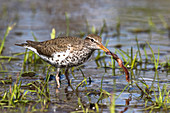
{"points": [[104, 48]]}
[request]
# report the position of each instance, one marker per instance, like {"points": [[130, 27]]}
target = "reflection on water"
{"points": [[147, 20]]}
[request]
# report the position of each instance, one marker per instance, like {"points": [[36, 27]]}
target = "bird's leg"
{"points": [[58, 78], [67, 74]]}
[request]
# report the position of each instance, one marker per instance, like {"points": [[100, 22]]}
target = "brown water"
{"points": [[40, 16]]}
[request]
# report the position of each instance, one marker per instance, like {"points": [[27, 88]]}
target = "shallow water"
{"points": [[40, 17]]}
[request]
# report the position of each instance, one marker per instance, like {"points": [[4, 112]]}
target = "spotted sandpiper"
{"points": [[66, 52]]}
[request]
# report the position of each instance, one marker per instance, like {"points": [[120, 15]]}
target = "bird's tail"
{"points": [[31, 45], [23, 44], [28, 44]]}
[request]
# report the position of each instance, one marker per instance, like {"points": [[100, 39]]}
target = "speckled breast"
{"points": [[75, 58]]}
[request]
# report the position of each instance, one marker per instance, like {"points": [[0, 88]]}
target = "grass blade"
{"points": [[67, 24], [9, 28]]}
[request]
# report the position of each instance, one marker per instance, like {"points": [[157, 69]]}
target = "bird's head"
{"points": [[95, 42]]}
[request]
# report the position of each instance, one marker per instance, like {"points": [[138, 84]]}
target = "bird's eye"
{"points": [[92, 40]]}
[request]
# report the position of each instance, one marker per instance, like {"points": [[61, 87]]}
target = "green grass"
{"points": [[133, 61], [67, 24], [113, 63], [156, 62], [164, 23], [146, 56], [123, 55], [14, 96], [155, 98], [112, 105], [138, 49], [9, 28], [118, 27], [53, 34], [103, 28]]}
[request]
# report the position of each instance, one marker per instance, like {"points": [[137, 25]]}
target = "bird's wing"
{"points": [[49, 50], [59, 44], [62, 43]]}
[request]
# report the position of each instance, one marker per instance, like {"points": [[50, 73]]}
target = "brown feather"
{"points": [[59, 44]]}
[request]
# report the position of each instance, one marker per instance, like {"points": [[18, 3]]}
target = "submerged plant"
{"points": [[155, 98], [13, 96], [161, 99]]}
